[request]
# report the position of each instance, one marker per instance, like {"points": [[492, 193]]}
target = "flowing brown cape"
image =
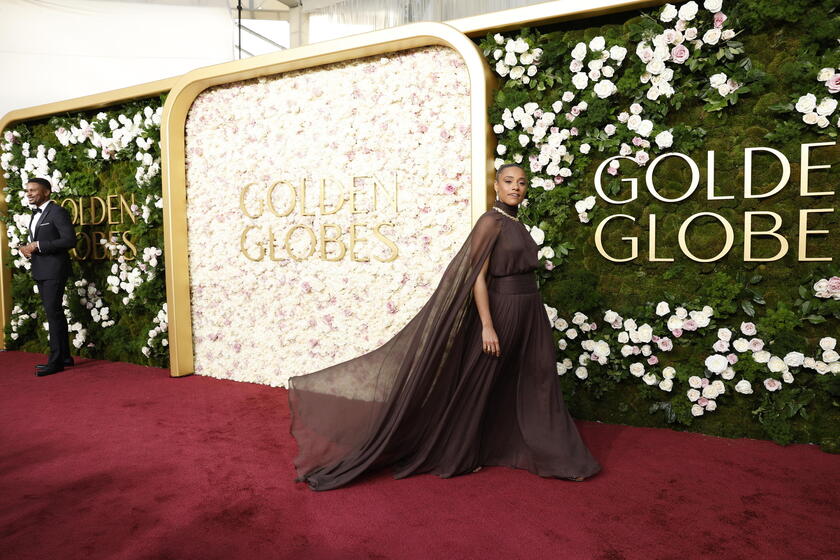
{"points": [[371, 411]]}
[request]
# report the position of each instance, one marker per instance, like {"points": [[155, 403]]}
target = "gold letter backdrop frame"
{"points": [[359, 46], [186, 90]]}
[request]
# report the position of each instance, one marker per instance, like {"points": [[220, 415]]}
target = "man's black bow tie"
{"points": [[35, 210]]}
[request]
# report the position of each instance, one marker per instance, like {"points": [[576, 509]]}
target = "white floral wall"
{"points": [[403, 118]]}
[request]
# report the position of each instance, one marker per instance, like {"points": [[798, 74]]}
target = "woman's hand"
{"points": [[490, 342]]}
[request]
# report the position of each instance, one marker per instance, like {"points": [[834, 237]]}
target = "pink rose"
{"points": [[570, 117], [636, 350], [653, 360], [449, 188], [641, 157], [558, 180], [756, 344], [637, 141], [575, 110], [702, 401], [719, 18], [593, 326], [549, 265], [573, 131], [617, 323], [833, 84], [721, 346], [690, 325], [748, 328], [834, 284], [612, 170], [677, 333], [665, 344], [732, 359], [679, 54], [704, 382]]}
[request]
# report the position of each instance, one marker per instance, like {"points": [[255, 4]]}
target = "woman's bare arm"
{"points": [[489, 340]]}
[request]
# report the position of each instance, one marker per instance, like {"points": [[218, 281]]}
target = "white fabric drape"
{"points": [[52, 50]]}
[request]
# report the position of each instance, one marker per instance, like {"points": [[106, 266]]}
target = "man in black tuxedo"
{"points": [[51, 237]]}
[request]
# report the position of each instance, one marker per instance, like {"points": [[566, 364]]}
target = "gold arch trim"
{"points": [[187, 89], [95, 101]]}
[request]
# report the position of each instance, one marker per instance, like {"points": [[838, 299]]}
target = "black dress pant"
{"points": [[52, 293]]}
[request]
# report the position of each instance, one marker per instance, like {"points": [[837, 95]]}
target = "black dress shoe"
{"points": [[67, 363], [48, 370]]}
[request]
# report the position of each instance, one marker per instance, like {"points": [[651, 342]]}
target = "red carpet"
{"points": [[112, 460]]}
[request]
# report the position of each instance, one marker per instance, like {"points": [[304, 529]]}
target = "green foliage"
{"points": [[122, 333], [775, 57]]}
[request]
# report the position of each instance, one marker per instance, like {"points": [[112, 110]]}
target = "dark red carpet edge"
{"points": [[110, 460]]}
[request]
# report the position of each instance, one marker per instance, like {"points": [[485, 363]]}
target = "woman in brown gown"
{"points": [[471, 380]]}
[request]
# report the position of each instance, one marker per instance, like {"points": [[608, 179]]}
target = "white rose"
{"points": [[692, 394], [828, 343], [712, 36], [830, 356], [728, 373], [669, 12], [695, 382], [810, 118], [602, 348], [664, 139], [580, 80], [724, 334], [633, 122], [717, 80], [688, 11], [825, 74], [669, 372], [623, 337], [776, 364], [787, 377], [645, 333], [727, 34], [710, 392], [649, 379], [571, 334], [826, 106], [690, 34], [655, 66], [637, 369], [579, 52], [584, 148], [696, 410], [806, 103], [597, 43], [761, 357], [568, 96], [821, 367], [662, 308], [794, 359], [645, 127], [499, 38], [666, 385], [741, 344], [604, 89], [617, 53], [822, 122], [581, 372], [713, 5], [716, 363], [743, 387], [517, 72], [537, 235]]}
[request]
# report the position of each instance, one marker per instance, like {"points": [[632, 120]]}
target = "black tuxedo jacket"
{"points": [[56, 236]]}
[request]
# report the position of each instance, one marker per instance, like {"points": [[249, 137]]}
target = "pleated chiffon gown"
{"points": [[430, 400]]}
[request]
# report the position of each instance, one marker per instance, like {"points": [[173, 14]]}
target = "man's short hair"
{"points": [[43, 182]]}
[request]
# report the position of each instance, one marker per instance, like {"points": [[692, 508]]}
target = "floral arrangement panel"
{"points": [[676, 157], [104, 167], [323, 206]]}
